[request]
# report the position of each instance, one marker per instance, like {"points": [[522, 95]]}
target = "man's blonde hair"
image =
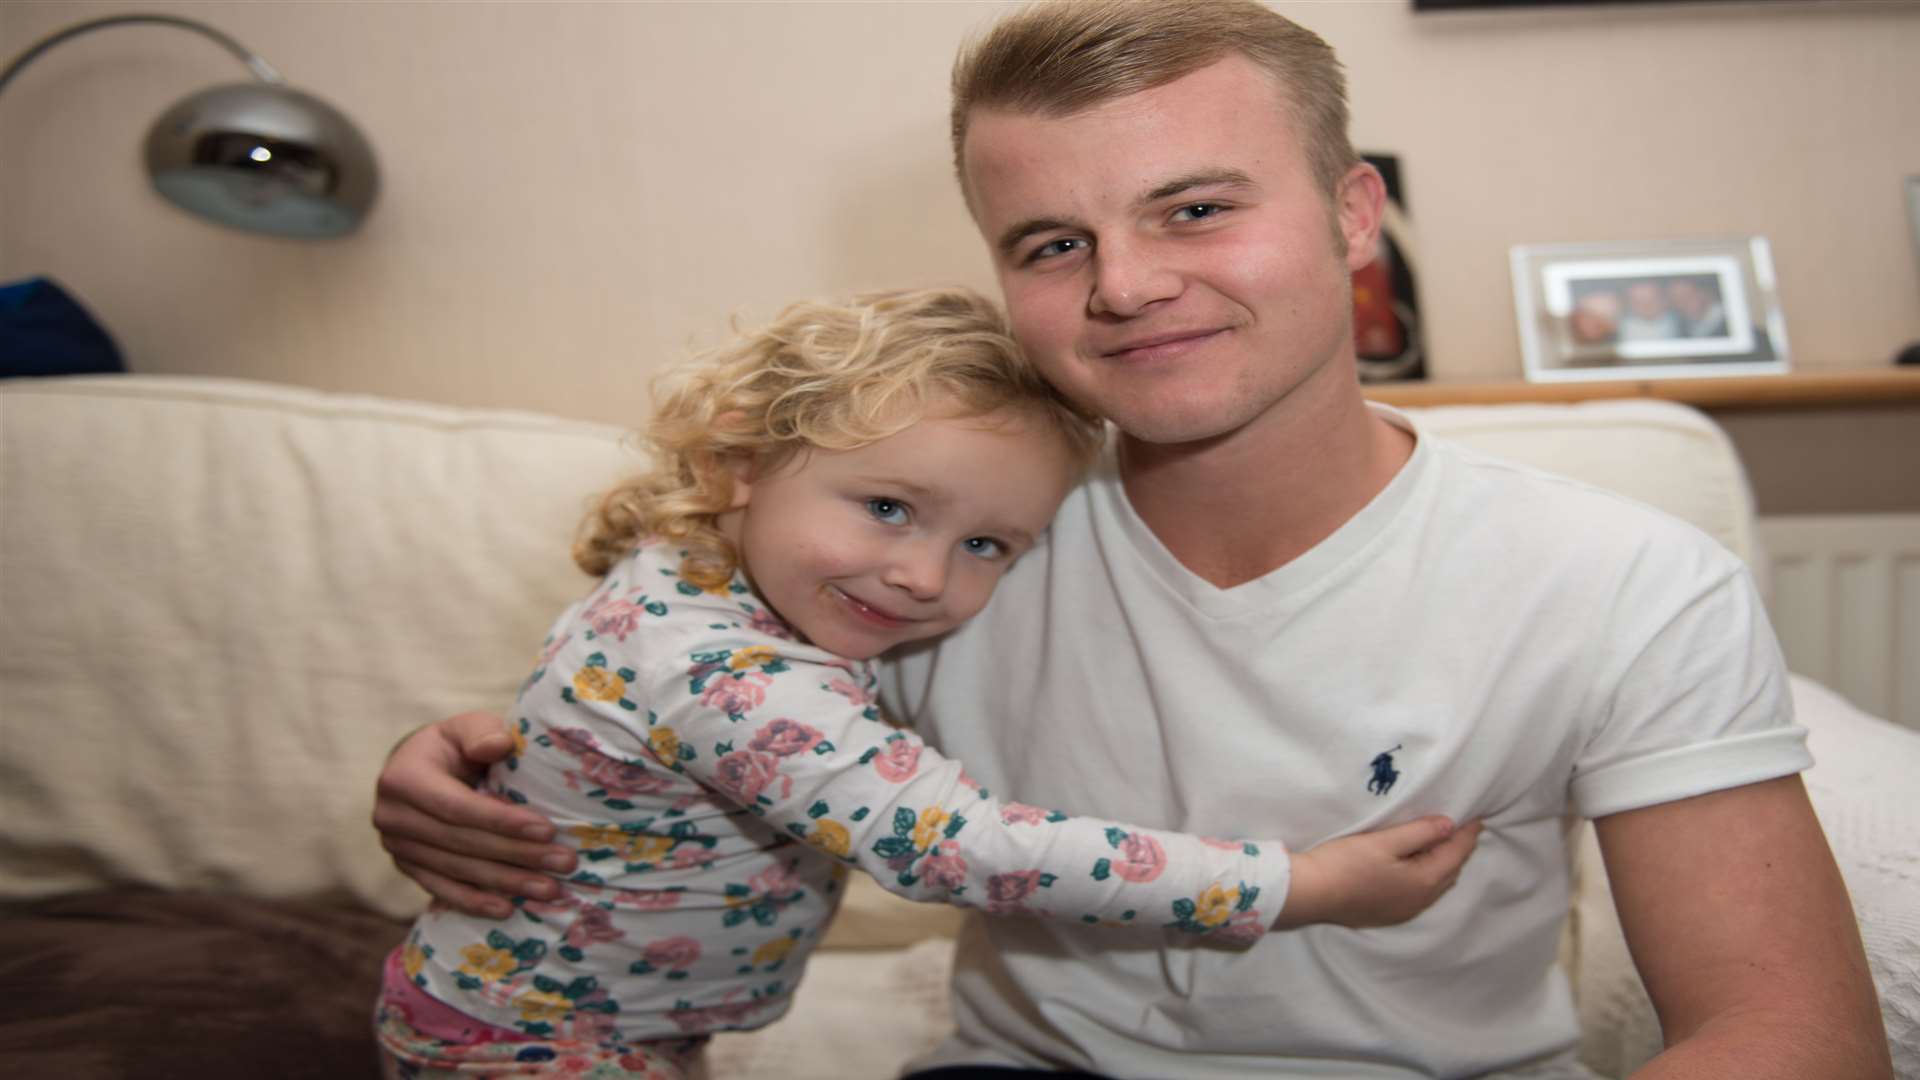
{"points": [[821, 376], [1060, 57]]}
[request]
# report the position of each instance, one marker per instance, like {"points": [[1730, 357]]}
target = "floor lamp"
{"points": [[259, 156]]}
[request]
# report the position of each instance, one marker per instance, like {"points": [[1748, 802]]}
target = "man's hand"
{"points": [[469, 850], [1378, 878]]}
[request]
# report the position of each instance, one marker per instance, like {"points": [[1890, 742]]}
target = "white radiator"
{"points": [[1845, 600]]}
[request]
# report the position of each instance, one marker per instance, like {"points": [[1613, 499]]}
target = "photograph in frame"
{"points": [[1653, 309]]}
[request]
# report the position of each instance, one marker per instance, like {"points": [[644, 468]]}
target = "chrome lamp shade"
{"points": [[263, 157], [259, 156]]}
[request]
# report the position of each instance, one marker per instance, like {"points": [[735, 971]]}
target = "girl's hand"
{"points": [[1378, 878], [467, 849]]}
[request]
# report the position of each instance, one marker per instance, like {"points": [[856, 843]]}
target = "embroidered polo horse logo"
{"points": [[1384, 774]]}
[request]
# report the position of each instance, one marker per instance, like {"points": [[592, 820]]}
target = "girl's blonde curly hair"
{"points": [[821, 376]]}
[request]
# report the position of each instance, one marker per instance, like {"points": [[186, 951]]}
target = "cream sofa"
{"points": [[221, 603]]}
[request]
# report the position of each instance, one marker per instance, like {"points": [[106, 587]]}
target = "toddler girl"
{"points": [[702, 725]]}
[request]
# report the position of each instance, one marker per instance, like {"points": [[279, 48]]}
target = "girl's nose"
{"points": [[919, 571]]}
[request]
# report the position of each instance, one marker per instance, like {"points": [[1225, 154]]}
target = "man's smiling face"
{"points": [[1167, 257]]}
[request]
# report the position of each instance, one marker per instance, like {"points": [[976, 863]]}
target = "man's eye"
{"points": [[1056, 248], [888, 511], [984, 546], [1198, 212]]}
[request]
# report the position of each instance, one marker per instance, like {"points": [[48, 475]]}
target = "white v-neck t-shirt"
{"points": [[1482, 640]]}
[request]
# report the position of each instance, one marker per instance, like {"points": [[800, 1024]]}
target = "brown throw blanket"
{"points": [[142, 984]]}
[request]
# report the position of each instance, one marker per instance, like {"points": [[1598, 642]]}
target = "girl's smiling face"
{"points": [[902, 539]]}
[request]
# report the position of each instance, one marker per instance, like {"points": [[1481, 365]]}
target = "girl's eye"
{"points": [[887, 511], [1198, 212], [984, 546]]}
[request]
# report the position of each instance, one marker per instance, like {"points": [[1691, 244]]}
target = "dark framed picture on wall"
{"points": [[1653, 309]]}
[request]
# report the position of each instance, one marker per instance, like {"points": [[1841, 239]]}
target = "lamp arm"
{"points": [[260, 68]]}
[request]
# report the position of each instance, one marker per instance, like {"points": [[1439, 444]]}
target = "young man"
{"points": [[1276, 596]]}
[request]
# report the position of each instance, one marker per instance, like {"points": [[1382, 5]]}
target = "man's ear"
{"points": [[1360, 204]]}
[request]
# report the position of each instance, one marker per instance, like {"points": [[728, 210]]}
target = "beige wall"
{"points": [[577, 192]]}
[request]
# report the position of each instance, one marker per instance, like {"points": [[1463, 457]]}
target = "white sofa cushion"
{"points": [[225, 602]]}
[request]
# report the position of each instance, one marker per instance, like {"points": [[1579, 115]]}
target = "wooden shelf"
{"points": [[1794, 390]]}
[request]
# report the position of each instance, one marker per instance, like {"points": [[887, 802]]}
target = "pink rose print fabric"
{"points": [[720, 778]]}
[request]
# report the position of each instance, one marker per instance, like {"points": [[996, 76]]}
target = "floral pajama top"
{"points": [[718, 777]]}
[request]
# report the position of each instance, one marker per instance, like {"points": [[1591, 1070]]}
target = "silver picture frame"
{"points": [[1691, 308]]}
